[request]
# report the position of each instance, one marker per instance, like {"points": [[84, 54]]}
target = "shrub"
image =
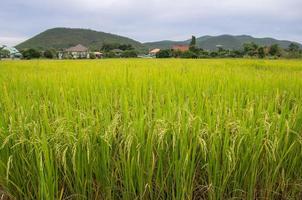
{"points": [[92, 56], [4, 53], [110, 54], [275, 50], [49, 54], [129, 54], [166, 53], [189, 54], [31, 53]]}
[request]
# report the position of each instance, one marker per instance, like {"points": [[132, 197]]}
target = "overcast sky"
{"points": [[152, 20]]}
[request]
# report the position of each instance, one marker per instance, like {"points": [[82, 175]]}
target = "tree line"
{"points": [[251, 50], [114, 50]]}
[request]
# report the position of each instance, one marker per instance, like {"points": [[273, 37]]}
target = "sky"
{"points": [[153, 20]]}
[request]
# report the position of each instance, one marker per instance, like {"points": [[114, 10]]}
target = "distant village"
{"points": [[80, 51]]}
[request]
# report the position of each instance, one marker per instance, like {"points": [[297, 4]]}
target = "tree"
{"points": [[109, 47], [293, 47], [193, 44], [189, 54], [92, 56], [166, 53], [31, 53], [250, 49], [49, 54], [193, 41], [261, 52], [109, 54], [4, 53], [129, 54], [223, 52], [275, 50], [203, 54], [176, 53], [294, 51], [125, 47], [213, 54], [236, 54]]}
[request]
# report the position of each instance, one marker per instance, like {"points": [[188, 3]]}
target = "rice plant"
{"points": [[151, 129]]}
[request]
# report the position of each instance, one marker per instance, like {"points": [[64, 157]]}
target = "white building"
{"points": [[78, 51], [13, 52], [153, 52]]}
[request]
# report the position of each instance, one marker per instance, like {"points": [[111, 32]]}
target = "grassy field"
{"points": [[151, 129]]}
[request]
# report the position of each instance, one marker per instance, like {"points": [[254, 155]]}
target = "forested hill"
{"points": [[59, 38]]}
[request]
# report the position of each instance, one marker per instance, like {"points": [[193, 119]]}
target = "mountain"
{"points": [[165, 44], [226, 41], [60, 38]]}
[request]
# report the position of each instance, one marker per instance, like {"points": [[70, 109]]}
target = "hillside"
{"points": [[227, 41], [165, 44], [60, 38]]}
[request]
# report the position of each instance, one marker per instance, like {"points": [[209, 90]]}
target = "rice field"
{"points": [[151, 129]]}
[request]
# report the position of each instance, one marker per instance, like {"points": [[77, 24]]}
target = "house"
{"points": [[181, 48], [13, 52], [153, 52], [78, 51], [98, 54]]}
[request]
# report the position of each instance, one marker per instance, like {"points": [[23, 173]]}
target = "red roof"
{"points": [[180, 48]]}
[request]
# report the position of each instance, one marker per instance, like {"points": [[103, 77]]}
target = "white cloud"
{"points": [[11, 41], [148, 20]]}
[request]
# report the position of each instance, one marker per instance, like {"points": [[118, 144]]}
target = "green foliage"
{"points": [[203, 54], [193, 41], [293, 47], [30, 53], [275, 50], [151, 129], [110, 54], [4, 53], [166, 53], [60, 38], [123, 47], [250, 49], [109, 47], [261, 52], [214, 54], [294, 51], [236, 54], [228, 41], [192, 47], [189, 54], [223, 53], [49, 53], [176, 53], [129, 54], [126, 47], [92, 56]]}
